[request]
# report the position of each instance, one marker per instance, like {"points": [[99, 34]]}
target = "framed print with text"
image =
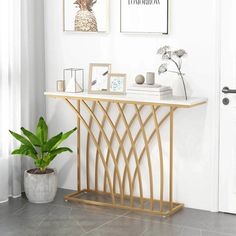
{"points": [[144, 16]]}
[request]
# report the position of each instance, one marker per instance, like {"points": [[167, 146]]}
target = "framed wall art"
{"points": [[98, 78], [144, 16], [117, 83], [85, 15]]}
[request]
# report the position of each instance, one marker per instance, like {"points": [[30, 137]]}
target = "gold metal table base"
{"points": [[82, 198], [120, 183], [120, 143]]}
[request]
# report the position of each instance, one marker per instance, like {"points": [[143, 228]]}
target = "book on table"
{"points": [[156, 90]]}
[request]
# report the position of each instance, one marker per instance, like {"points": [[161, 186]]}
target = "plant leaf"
{"points": [[32, 138], [52, 142], [60, 150], [20, 138], [50, 157], [41, 163], [25, 150], [42, 131], [63, 138]]}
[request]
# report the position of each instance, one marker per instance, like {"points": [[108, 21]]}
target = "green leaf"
{"points": [[60, 150], [52, 142], [51, 158], [32, 138], [20, 138], [48, 150], [55, 152], [25, 150], [51, 155], [63, 138], [42, 131], [40, 163]]}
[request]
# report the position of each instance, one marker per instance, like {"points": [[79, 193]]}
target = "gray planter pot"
{"points": [[40, 188]]}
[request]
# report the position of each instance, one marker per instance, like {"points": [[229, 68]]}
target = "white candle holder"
{"points": [[74, 80]]}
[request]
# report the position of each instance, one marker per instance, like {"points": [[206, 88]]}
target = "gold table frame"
{"points": [[97, 103]]}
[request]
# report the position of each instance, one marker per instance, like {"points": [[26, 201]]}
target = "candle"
{"points": [[60, 85]]}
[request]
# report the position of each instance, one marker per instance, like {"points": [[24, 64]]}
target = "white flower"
{"points": [[163, 50], [162, 69], [180, 53], [167, 55]]}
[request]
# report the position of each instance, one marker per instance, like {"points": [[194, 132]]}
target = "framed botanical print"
{"points": [[98, 78], [85, 15], [144, 16], [117, 83]]}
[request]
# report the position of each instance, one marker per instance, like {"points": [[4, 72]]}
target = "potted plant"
{"points": [[40, 183]]}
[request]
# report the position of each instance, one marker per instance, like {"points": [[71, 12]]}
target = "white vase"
{"points": [[178, 88]]}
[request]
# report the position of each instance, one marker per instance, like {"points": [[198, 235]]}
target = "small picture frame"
{"points": [[117, 83], [98, 78]]}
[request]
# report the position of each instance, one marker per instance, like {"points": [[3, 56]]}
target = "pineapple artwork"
{"points": [[85, 19]]}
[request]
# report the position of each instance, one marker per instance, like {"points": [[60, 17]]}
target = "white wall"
{"points": [[192, 27]]}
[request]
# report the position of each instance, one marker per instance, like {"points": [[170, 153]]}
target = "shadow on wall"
{"points": [[63, 119]]}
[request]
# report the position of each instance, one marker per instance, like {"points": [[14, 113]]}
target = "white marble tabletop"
{"points": [[132, 98]]}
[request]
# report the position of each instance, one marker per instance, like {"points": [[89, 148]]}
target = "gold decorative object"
{"points": [[121, 183]]}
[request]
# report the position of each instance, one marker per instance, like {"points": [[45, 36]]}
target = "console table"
{"points": [[122, 148]]}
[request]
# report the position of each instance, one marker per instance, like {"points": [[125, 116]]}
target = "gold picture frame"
{"points": [[117, 83], [98, 82]]}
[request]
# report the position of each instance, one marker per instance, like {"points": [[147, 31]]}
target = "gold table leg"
{"points": [[78, 151], [171, 158]]}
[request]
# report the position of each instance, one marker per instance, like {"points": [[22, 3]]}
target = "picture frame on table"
{"points": [[117, 83], [98, 82]]}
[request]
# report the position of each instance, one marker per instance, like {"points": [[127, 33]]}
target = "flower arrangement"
{"points": [[176, 58]]}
